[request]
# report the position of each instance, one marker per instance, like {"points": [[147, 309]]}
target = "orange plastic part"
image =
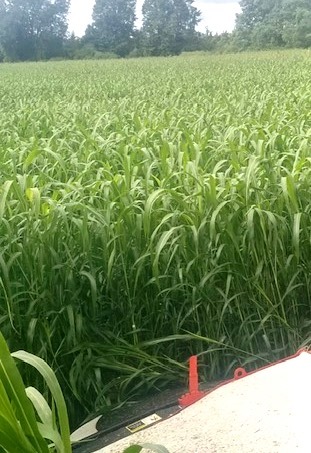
{"points": [[194, 393], [239, 373]]}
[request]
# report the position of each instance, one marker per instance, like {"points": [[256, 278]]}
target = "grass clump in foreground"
{"points": [[28, 424], [151, 209]]}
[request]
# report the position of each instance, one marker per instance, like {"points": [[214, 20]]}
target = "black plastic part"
{"points": [[104, 438], [112, 425]]}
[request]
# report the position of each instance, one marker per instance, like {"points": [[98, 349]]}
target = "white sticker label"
{"points": [[143, 423]]}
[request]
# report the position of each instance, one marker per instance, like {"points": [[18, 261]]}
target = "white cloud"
{"points": [[139, 4], [80, 15], [217, 15]]}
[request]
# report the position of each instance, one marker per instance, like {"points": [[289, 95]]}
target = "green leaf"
{"points": [[49, 433], [15, 389], [55, 389], [10, 429], [153, 447], [40, 404], [12, 438], [133, 449], [3, 196]]}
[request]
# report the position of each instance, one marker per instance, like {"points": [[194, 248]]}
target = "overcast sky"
{"points": [[217, 15]]}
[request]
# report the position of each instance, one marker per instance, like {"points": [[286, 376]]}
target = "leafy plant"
{"points": [[20, 409], [152, 447], [151, 209], [27, 423]]}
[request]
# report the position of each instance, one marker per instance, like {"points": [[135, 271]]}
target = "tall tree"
{"points": [[32, 29], [274, 23], [255, 12], [296, 19], [168, 25], [113, 26]]}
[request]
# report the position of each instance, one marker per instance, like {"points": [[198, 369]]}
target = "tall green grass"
{"points": [[151, 209]]}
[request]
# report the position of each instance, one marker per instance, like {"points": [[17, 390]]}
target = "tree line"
{"points": [[38, 29]]}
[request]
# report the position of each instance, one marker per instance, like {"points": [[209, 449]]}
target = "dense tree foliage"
{"points": [[274, 23], [168, 25], [113, 26], [37, 29], [32, 29]]}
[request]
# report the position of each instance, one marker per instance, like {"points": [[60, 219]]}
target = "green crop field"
{"points": [[151, 209]]}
